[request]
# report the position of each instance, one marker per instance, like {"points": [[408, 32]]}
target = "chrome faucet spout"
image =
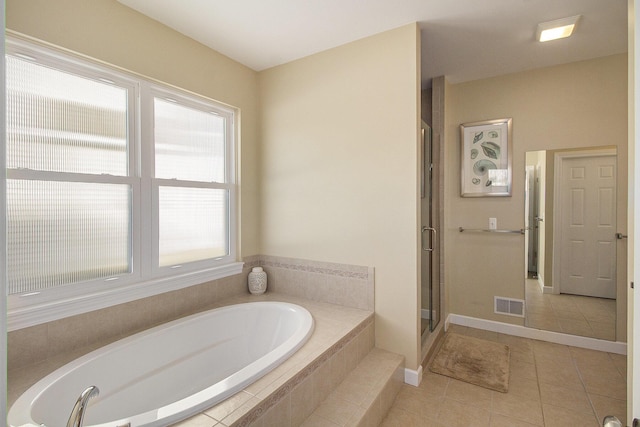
{"points": [[77, 413]]}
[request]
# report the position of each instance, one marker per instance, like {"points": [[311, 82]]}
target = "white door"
{"points": [[588, 226]]}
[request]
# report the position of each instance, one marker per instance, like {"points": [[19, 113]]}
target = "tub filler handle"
{"points": [[77, 413]]}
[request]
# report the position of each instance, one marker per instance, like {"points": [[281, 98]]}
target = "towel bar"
{"points": [[484, 230]]}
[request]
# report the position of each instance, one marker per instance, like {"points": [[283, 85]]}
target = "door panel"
{"points": [[588, 226]]}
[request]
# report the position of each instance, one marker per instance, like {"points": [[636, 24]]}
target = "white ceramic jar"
{"points": [[257, 281]]}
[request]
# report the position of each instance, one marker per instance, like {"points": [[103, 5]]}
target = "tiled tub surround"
{"points": [[342, 284], [37, 344], [351, 286], [287, 395], [36, 351]]}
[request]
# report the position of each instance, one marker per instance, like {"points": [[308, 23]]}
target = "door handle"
{"points": [[433, 230], [620, 236]]}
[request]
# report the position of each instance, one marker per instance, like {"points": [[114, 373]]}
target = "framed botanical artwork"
{"points": [[485, 168]]}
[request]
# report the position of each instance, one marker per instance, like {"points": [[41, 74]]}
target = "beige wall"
{"points": [[338, 166], [568, 106], [108, 31], [339, 169]]}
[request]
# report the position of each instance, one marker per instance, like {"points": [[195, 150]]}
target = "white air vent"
{"points": [[508, 306]]}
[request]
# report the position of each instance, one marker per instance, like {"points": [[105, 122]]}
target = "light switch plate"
{"points": [[493, 223]]}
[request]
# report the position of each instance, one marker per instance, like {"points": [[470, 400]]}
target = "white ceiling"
{"points": [[461, 39]]}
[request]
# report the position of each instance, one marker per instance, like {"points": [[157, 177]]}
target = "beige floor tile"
{"points": [[457, 329], [575, 327], [545, 311], [434, 384], [515, 406], [521, 355], [543, 321], [558, 372], [555, 416], [399, 418], [548, 350], [602, 316], [564, 302], [586, 357], [548, 387], [564, 397], [454, 413], [598, 312], [468, 394], [606, 406], [570, 315], [605, 383], [524, 388], [603, 334], [498, 420], [516, 343], [482, 334], [412, 399], [522, 370], [539, 308], [603, 331], [620, 362]]}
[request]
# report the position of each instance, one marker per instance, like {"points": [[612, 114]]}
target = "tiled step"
{"points": [[365, 395]]}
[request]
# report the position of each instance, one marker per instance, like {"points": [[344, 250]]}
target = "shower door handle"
{"points": [[433, 230]]}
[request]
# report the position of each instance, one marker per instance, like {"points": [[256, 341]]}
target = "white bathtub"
{"points": [[170, 372]]}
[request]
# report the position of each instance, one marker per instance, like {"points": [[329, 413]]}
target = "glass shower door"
{"points": [[430, 298]]}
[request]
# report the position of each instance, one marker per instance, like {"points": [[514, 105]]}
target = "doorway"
{"points": [[585, 218]]}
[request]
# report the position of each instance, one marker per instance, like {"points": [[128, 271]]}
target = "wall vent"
{"points": [[508, 306]]}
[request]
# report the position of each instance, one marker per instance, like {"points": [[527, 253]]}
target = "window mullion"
{"points": [[148, 203]]}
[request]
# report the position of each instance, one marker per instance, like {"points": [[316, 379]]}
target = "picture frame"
{"points": [[485, 158]]}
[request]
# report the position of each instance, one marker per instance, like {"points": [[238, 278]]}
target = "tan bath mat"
{"points": [[476, 361]]}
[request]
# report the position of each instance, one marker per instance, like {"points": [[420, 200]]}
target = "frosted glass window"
{"points": [[189, 143], [61, 122], [192, 224], [65, 232], [112, 181]]}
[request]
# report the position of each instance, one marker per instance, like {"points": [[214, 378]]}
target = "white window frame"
{"points": [[149, 93], [146, 278]]}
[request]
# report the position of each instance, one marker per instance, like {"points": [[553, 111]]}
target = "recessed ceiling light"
{"points": [[558, 29]]}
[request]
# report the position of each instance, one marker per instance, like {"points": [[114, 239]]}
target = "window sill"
{"points": [[41, 312]]}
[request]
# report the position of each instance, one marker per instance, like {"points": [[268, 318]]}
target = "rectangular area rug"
{"points": [[473, 360]]}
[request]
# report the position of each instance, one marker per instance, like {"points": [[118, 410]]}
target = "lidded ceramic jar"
{"points": [[257, 281]]}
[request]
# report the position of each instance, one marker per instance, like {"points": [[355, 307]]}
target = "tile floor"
{"points": [[571, 314], [550, 385]]}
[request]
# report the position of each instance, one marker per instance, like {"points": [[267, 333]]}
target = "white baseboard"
{"points": [[537, 334], [412, 377]]}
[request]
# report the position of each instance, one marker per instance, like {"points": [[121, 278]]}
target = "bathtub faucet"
{"points": [[77, 414]]}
